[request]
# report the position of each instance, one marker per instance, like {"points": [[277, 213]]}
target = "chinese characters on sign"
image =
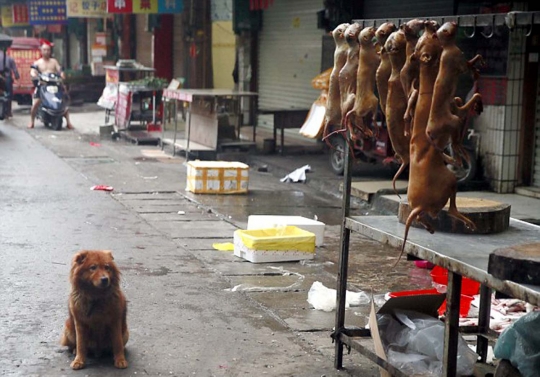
{"points": [[20, 14], [145, 6], [119, 6], [14, 15], [24, 58], [46, 12], [87, 8]]}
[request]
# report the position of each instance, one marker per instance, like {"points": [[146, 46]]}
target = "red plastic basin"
{"points": [[468, 287], [464, 303], [464, 306]]}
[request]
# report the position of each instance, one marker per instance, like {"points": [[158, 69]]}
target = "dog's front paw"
{"points": [[121, 363], [77, 364]]}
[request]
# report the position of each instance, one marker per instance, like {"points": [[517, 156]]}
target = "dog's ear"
{"points": [[108, 253], [80, 257]]}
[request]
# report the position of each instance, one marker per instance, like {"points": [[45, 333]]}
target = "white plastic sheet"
{"points": [[299, 175], [323, 298]]}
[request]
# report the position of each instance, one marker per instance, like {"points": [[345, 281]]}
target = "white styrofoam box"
{"points": [[272, 221], [284, 244], [217, 177]]}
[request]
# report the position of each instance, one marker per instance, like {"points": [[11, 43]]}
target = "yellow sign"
{"points": [[14, 15], [145, 6], [7, 16], [86, 8]]}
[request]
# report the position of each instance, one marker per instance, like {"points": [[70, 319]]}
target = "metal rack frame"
{"points": [[441, 250], [510, 19], [392, 235]]}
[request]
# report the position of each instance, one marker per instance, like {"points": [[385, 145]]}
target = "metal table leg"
{"points": [[343, 263], [175, 126], [483, 322], [451, 331], [188, 132]]}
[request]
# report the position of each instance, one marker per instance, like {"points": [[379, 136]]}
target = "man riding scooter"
{"points": [[46, 64]]}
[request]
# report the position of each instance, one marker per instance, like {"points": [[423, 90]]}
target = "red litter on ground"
{"points": [[102, 188], [95, 144]]}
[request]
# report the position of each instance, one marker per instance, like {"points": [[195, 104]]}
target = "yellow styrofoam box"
{"points": [[217, 177], [280, 244]]}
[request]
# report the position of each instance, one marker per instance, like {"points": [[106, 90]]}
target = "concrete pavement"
{"points": [[183, 317], [168, 259]]}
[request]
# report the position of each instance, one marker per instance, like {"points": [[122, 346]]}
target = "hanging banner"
{"points": [[119, 6], [47, 12], [7, 16], [170, 6], [20, 14], [14, 15], [87, 8], [145, 6]]}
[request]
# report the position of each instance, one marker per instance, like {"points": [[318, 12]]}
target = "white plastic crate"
{"points": [[274, 245], [272, 221]]}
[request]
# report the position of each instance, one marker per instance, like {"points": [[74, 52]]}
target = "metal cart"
{"points": [[204, 135]]}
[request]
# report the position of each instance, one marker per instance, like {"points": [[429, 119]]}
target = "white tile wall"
{"points": [[510, 142], [501, 137]]}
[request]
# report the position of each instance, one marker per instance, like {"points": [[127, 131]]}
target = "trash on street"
{"points": [[299, 175]]}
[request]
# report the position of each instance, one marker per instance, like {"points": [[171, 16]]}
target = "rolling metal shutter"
{"points": [[178, 56], [404, 9], [290, 48]]}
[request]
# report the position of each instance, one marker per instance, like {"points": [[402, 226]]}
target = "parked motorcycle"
{"points": [[377, 148], [52, 93], [373, 149]]}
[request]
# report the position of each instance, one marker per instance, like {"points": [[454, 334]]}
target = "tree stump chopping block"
{"points": [[489, 216], [518, 263]]}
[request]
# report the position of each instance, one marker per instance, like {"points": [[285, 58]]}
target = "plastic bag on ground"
{"points": [[415, 344], [323, 298], [520, 344]]}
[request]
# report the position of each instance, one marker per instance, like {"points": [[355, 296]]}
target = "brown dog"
{"points": [[97, 309], [431, 183], [333, 104], [385, 68], [365, 101], [445, 122]]}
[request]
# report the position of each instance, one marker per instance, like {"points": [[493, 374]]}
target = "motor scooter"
{"points": [[5, 43], [53, 105]]}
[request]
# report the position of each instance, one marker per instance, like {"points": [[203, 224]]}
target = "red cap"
{"points": [[43, 41]]}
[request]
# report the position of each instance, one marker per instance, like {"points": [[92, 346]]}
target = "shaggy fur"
{"points": [[97, 309]]}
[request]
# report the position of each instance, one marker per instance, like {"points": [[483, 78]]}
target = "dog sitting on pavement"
{"points": [[97, 309]]}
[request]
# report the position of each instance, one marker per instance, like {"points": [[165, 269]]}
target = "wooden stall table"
{"points": [[283, 119]]}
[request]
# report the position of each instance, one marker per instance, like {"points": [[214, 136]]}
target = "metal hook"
{"points": [[492, 29], [474, 29], [529, 32]]}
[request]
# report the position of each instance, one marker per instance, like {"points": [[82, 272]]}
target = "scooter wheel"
{"points": [[56, 123]]}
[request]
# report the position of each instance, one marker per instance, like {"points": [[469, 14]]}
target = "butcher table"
{"points": [[464, 256]]}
